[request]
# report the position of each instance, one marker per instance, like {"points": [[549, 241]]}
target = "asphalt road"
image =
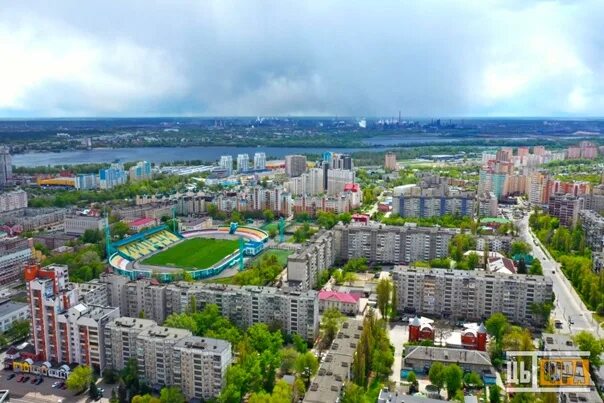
{"points": [[569, 308]]}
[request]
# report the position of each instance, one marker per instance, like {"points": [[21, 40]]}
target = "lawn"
{"points": [[198, 253]]}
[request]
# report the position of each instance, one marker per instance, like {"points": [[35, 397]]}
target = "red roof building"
{"points": [[342, 301]]}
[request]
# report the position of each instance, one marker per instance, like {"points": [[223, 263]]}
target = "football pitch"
{"points": [[199, 253]]}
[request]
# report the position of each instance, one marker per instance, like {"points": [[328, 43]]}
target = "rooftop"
{"points": [[8, 307], [448, 355], [339, 296]]}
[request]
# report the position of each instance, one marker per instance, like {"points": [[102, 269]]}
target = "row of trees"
{"points": [[568, 247], [373, 355]]}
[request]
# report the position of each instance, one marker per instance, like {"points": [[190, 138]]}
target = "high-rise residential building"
{"points": [[168, 356], [341, 161], [259, 161], [226, 162], [487, 205], [390, 161], [310, 183], [392, 244], [337, 179], [63, 329], [140, 171], [295, 165], [14, 200], [306, 265], [6, 167], [470, 295], [243, 163], [14, 253], [200, 366], [539, 150], [566, 208], [87, 181], [593, 228], [430, 201], [491, 181], [293, 311], [538, 187], [112, 176], [523, 151]]}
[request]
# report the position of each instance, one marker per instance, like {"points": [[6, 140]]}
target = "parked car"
{"points": [[25, 379], [56, 384], [20, 379], [34, 380], [11, 376], [39, 381]]}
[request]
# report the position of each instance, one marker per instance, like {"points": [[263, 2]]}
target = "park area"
{"points": [[195, 253]]}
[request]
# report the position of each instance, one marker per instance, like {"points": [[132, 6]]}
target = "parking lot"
{"points": [[44, 392]]}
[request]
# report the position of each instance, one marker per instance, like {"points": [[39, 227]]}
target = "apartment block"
{"points": [[295, 165], [305, 266], [14, 252], [391, 244], [593, 227], [566, 208], [64, 330], [200, 366], [14, 200], [169, 356], [470, 295], [77, 224], [293, 311], [417, 201], [496, 243]]}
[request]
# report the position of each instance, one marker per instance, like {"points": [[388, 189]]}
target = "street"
{"points": [[569, 309]]}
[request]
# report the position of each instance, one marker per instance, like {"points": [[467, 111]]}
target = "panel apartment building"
{"points": [[391, 244], [305, 266], [593, 227], [14, 252], [418, 201], [470, 295], [169, 356], [293, 311]]}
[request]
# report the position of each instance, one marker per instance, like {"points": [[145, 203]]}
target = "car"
{"points": [[56, 384], [64, 386], [33, 380], [25, 379], [11, 376], [39, 381], [558, 324], [20, 378]]}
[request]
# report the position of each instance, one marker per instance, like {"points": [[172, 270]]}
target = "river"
{"points": [[160, 154]]}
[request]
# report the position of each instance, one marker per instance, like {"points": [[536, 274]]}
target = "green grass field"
{"points": [[192, 253]]}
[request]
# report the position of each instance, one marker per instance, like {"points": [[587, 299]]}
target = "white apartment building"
{"points": [[259, 161], [392, 244], [200, 366], [226, 162], [14, 200], [243, 163], [293, 310], [121, 340], [470, 294], [10, 312], [305, 266], [337, 180], [78, 224], [295, 165]]}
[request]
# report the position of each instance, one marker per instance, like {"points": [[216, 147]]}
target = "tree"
{"points": [[519, 248], [299, 343], [353, 394], [269, 216], [473, 379], [114, 398], [181, 321], [473, 260], [494, 394], [522, 266], [93, 391], [330, 324], [307, 365], [122, 392], [383, 291], [288, 360], [453, 376], [80, 378], [414, 384], [171, 395], [146, 398], [588, 342], [536, 267], [437, 375], [497, 326], [393, 303], [485, 254]]}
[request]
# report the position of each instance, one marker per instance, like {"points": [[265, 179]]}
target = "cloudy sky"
{"points": [[425, 58]]}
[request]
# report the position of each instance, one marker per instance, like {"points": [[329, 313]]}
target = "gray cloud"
{"points": [[428, 58]]}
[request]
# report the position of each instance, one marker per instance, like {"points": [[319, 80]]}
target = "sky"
{"points": [[428, 58]]}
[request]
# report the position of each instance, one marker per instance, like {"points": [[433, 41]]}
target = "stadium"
{"points": [[165, 255]]}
